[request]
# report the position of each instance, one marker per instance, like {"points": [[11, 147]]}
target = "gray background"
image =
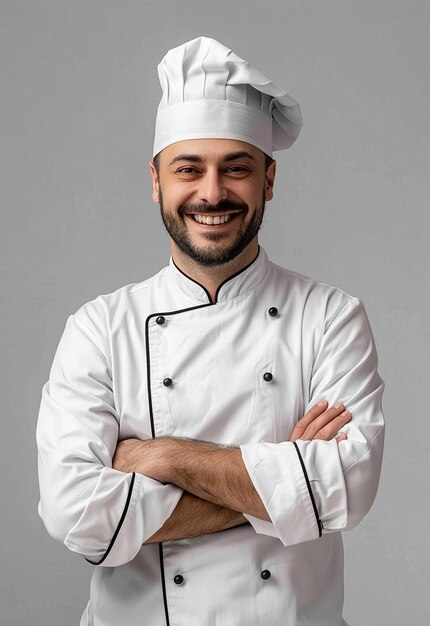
{"points": [[79, 93]]}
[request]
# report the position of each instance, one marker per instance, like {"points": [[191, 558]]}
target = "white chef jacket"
{"points": [[158, 358]]}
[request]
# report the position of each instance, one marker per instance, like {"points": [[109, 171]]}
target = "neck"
{"points": [[211, 277]]}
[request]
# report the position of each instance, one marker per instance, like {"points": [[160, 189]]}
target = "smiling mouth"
{"points": [[211, 219]]}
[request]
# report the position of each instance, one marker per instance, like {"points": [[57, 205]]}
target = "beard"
{"points": [[215, 253]]}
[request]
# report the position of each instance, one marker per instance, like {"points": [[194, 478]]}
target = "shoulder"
{"points": [[312, 296], [106, 308]]}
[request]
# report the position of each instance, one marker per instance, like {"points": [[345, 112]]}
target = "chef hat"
{"points": [[210, 92]]}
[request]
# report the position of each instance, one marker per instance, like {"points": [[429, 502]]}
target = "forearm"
{"points": [[208, 471], [214, 473], [194, 517]]}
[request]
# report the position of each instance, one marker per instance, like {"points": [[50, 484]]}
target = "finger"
{"points": [[341, 437], [331, 430], [321, 421], [307, 419]]}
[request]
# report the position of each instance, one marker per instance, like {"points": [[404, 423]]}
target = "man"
{"points": [[172, 453]]}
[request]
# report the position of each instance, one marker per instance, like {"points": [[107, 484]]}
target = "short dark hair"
{"points": [[156, 160], [267, 161]]}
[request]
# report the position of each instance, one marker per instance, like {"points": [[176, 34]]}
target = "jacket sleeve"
{"points": [[315, 487], [101, 513]]}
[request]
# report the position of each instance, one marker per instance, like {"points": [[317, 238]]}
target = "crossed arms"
{"points": [[217, 487], [172, 488]]}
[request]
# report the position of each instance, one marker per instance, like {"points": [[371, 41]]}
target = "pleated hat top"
{"points": [[210, 92]]}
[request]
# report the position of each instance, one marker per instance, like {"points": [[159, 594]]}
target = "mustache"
{"points": [[222, 205]]}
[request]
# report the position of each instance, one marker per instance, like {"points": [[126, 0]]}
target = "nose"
{"points": [[212, 187]]}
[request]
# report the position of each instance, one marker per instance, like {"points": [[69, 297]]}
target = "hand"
{"points": [[321, 422]]}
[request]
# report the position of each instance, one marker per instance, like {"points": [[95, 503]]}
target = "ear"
{"points": [[155, 183], [270, 181]]}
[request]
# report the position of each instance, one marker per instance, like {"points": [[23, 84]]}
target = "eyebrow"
{"points": [[239, 155], [195, 158]]}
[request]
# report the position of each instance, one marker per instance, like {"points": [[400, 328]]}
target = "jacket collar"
{"points": [[238, 284]]}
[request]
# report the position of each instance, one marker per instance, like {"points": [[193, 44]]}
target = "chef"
{"points": [[207, 434]]}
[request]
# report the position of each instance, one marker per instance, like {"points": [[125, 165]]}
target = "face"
{"points": [[212, 194]]}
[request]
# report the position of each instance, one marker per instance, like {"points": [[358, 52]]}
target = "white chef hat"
{"points": [[210, 92]]}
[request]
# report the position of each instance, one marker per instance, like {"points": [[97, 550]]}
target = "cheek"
{"points": [[252, 191], [175, 195]]}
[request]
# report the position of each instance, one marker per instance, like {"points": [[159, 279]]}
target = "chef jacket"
{"points": [[158, 358]]}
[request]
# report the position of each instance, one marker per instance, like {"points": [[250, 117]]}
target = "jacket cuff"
{"points": [[325, 474], [261, 526], [147, 505], [279, 477]]}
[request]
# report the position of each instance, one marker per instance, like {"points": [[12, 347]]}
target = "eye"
{"points": [[188, 173], [237, 170], [189, 169]]}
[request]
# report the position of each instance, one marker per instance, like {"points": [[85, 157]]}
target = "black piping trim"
{"points": [[163, 584], [148, 361], [151, 416], [311, 495], [194, 281], [236, 274], [118, 528], [219, 286]]}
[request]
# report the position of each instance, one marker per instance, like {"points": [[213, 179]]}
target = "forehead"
{"points": [[211, 150]]}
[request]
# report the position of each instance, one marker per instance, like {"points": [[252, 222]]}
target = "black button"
{"points": [[268, 377], [273, 311], [265, 574], [167, 382], [178, 580], [160, 320]]}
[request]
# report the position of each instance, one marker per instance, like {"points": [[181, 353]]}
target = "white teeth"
{"points": [[210, 219]]}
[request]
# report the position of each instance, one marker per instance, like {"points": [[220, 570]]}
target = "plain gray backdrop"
{"points": [[79, 95]]}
